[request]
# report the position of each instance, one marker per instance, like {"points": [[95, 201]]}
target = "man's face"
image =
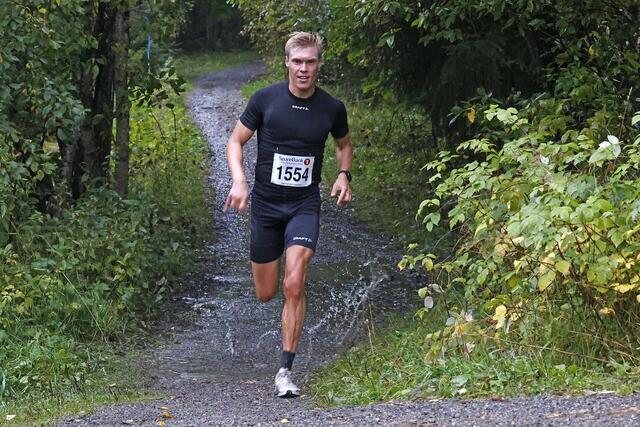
{"points": [[303, 64]]}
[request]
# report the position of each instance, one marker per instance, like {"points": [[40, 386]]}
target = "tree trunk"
{"points": [[96, 132], [123, 106]]}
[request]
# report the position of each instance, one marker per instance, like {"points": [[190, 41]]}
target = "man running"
{"points": [[293, 120]]}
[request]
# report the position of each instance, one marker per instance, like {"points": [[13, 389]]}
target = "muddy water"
{"points": [[352, 283]]}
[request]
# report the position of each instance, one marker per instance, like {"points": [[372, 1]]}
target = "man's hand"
{"points": [[341, 188], [238, 197]]}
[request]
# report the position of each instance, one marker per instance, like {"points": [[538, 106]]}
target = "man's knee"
{"points": [[293, 287], [265, 278], [264, 296], [265, 289]]}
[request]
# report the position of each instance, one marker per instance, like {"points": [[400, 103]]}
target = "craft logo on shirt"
{"points": [[297, 107]]}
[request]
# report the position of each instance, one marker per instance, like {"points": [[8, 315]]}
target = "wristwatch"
{"points": [[347, 173]]}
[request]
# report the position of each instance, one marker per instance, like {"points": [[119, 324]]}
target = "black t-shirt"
{"points": [[293, 131]]}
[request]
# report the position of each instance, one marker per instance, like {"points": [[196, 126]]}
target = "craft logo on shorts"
{"points": [[306, 239], [306, 162]]}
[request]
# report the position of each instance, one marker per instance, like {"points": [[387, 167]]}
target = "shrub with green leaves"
{"points": [[549, 230], [543, 200], [95, 271]]}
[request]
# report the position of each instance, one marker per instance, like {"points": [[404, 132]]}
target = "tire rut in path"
{"points": [[219, 370]]}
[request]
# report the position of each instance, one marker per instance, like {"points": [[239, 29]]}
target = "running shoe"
{"points": [[284, 385]]}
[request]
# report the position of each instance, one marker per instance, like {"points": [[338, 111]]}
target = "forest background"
{"points": [[503, 133]]}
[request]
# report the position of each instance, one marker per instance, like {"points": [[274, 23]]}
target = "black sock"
{"points": [[286, 360]]}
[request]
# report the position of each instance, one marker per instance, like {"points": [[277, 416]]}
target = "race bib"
{"points": [[292, 171]]}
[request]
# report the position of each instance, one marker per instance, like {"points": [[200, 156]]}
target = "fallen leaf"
{"points": [[161, 423], [10, 417], [164, 408], [284, 421], [167, 414]]}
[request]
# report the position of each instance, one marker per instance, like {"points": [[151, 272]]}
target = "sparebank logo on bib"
{"points": [[298, 107], [294, 159]]}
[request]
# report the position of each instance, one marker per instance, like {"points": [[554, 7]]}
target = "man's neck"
{"points": [[302, 94]]}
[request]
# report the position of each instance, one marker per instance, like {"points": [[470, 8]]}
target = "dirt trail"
{"points": [[219, 368]]}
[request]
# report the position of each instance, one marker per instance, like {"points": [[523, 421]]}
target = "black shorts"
{"points": [[276, 225]]}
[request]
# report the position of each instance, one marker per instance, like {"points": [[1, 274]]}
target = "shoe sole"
{"points": [[288, 394]]}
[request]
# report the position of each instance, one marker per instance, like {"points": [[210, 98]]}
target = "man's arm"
{"points": [[344, 159], [238, 197]]}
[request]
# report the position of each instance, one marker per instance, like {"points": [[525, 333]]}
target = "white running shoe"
{"points": [[284, 386]]}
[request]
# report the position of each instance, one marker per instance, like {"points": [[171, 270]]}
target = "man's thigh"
{"points": [[268, 222], [303, 227], [266, 277], [297, 262]]}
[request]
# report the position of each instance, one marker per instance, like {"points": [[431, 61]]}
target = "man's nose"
{"points": [[303, 67]]}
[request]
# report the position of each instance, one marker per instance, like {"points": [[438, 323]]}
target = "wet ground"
{"points": [[219, 368]]}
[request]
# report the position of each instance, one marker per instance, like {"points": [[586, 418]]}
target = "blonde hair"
{"points": [[303, 39]]}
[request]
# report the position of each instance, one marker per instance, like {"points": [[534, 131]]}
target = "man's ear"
{"points": [[286, 61]]}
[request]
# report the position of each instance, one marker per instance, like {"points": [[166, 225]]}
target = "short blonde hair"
{"points": [[304, 39]]}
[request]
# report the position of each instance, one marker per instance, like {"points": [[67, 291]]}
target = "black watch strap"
{"points": [[347, 173]]}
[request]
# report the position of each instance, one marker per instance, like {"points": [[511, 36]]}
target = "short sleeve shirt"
{"points": [[291, 126]]}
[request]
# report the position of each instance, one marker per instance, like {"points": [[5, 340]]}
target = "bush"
{"points": [[549, 235], [96, 271]]}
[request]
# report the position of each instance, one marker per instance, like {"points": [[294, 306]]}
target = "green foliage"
{"points": [[269, 22], [545, 201], [49, 103], [37, 97], [94, 272], [387, 166], [170, 160], [74, 273]]}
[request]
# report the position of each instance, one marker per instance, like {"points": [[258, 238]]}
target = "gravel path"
{"points": [[218, 369]]}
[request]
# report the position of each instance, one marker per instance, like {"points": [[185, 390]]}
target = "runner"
{"points": [[293, 120]]}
